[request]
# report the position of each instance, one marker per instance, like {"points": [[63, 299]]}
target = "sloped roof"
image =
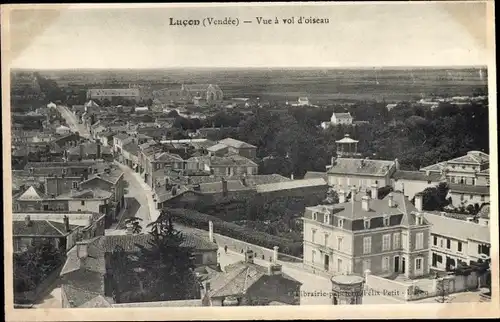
{"points": [[236, 144], [472, 157], [31, 194], [314, 174], [361, 167], [94, 193], [464, 188], [216, 187], [89, 148], [292, 184], [167, 157], [342, 115], [347, 139], [458, 229], [417, 176], [39, 228], [217, 147]]}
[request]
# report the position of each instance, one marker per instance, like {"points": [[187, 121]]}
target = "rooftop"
{"points": [[314, 174], [361, 167], [94, 193], [417, 176], [469, 189], [45, 228], [292, 184], [236, 144], [342, 115], [458, 229], [89, 148]]}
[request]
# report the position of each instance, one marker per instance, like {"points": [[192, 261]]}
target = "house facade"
{"points": [[413, 182], [454, 240], [387, 237], [341, 118]]}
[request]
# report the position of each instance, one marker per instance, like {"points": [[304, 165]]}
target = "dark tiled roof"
{"points": [[39, 228], [463, 188], [361, 166], [89, 148], [131, 147], [417, 176]]}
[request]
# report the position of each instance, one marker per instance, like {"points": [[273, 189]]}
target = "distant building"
{"points": [[193, 93], [390, 107], [413, 182], [386, 237], [233, 146], [341, 118], [102, 94], [347, 147]]}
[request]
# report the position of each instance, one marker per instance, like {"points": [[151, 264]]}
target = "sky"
{"points": [[357, 35]]}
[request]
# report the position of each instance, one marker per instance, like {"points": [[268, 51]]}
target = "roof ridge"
{"points": [[50, 223]]}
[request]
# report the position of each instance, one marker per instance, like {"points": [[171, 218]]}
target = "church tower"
{"points": [[347, 147]]}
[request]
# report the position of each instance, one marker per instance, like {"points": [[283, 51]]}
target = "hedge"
{"points": [[199, 220]]}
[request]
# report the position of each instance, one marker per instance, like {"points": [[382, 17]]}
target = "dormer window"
{"points": [[367, 223], [419, 220], [327, 218], [386, 220], [341, 223], [31, 170], [315, 216]]}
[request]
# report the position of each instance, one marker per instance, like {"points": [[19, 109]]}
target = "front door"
{"points": [[396, 264], [327, 262], [403, 265]]}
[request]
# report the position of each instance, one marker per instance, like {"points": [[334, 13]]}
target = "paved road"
{"points": [[72, 121]]}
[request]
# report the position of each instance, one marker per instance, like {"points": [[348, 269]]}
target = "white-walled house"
{"points": [[341, 118]]}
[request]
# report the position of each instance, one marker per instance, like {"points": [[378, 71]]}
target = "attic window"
{"points": [[315, 216], [31, 170], [327, 218], [341, 223], [386, 220], [367, 223], [419, 220]]}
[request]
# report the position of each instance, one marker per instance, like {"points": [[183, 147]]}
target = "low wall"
{"points": [[387, 287], [239, 246]]}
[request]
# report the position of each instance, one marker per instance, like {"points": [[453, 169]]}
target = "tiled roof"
{"points": [[216, 187], [39, 228], [122, 136], [469, 189], [342, 115], [458, 229], [112, 177], [82, 286], [217, 147], [260, 179], [230, 160], [236, 144], [438, 167], [473, 157], [361, 167], [89, 148], [417, 176], [131, 147], [314, 174], [31, 194], [292, 184], [95, 193], [167, 157]]}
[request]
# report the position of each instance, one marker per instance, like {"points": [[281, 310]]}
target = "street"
{"points": [[72, 121]]}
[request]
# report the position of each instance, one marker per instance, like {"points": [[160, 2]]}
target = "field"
{"points": [[288, 84]]}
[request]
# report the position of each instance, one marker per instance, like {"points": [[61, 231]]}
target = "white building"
{"points": [[454, 240], [341, 118], [63, 130]]}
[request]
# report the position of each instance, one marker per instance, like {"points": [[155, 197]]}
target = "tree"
{"points": [[167, 262], [134, 224], [442, 289]]}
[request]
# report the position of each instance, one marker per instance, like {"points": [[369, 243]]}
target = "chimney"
{"points": [[224, 187], [353, 193], [418, 201], [374, 191], [341, 196], [27, 221], [249, 256], [98, 150], [396, 162], [211, 231], [274, 269], [82, 249], [365, 203], [275, 254], [390, 197], [66, 223], [82, 151], [427, 173]]}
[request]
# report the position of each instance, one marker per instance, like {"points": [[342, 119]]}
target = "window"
{"points": [[327, 218], [341, 223], [441, 243], [313, 256], [367, 223], [326, 239], [313, 234], [418, 263], [339, 243], [83, 202], [448, 243], [31, 170], [339, 265], [367, 245], [435, 242], [386, 242], [315, 216], [459, 246], [367, 264], [419, 241], [385, 263], [396, 241], [483, 249], [74, 184], [64, 170], [482, 197], [386, 221], [419, 220]]}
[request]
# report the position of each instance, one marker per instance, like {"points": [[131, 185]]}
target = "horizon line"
{"points": [[260, 67]]}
